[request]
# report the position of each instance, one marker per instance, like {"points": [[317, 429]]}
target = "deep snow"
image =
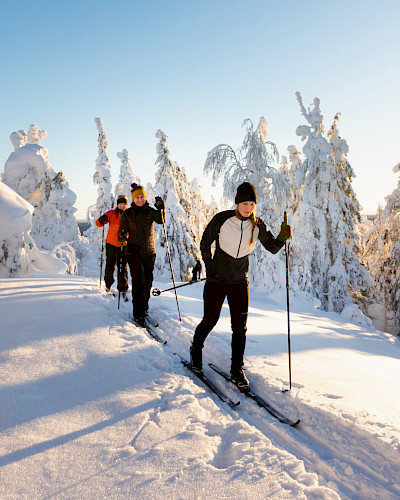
{"points": [[91, 407]]}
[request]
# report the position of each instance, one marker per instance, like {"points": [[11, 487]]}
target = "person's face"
{"points": [[122, 206], [139, 200], [246, 208]]}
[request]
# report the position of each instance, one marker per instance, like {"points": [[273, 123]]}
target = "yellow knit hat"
{"points": [[137, 191]]}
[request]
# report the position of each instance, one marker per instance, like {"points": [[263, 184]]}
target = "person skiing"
{"points": [[136, 227], [196, 271], [235, 233], [113, 248]]}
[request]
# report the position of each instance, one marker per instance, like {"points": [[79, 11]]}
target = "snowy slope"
{"points": [[91, 407]]}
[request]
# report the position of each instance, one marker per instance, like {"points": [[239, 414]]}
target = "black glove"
{"points": [[286, 232], [103, 219], [159, 203]]}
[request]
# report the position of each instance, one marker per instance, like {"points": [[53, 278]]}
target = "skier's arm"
{"points": [[209, 236], [123, 234], [158, 213], [101, 221], [267, 240]]}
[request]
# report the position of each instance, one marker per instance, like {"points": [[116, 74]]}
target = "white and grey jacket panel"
{"points": [[232, 237]]}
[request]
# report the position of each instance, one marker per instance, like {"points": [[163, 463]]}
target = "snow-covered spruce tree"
{"points": [[126, 176], [252, 162], [18, 139], [324, 247], [28, 172], [382, 258], [202, 212], [105, 200], [173, 186], [16, 222], [294, 174]]}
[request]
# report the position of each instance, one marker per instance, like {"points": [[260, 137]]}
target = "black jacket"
{"points": [[224, 266], [137, 226]]}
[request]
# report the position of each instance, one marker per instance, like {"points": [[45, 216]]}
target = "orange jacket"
{"points": [[112, 217]]}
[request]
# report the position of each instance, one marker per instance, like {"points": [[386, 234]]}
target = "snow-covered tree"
{"points": [[35, 135], [28, 172], [253, 162], [16, 217], [18, 250], [173, 186], [294, 174], [18, 139], [382, 258], [105, 200], [126, 176], [201, 212], [325, 261]]}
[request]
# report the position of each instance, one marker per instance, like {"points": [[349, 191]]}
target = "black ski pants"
{"points": [[113, 258], [238, 300], [141, 269]]}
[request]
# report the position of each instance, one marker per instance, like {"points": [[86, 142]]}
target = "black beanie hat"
{"points": [[122, 199], [246, 192]]}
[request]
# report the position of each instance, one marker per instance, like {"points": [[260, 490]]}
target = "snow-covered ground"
{"points": [[92, 407]]}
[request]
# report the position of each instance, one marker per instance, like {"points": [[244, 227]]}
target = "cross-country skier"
{"points": [[235, 233], [137, 228], [113, 247], [196, 271]]}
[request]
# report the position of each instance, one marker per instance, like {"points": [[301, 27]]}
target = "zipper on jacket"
{"points": [[241, 236]]}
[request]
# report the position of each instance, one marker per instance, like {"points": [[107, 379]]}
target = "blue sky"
{"points": [[197, 70]]}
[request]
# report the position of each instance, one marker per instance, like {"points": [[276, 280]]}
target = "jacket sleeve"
{"points": [[101, 221], [266, 238], [157, 216], [122, 233], [209, 236]]}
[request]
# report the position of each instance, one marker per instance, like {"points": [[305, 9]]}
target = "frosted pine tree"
{"points": [[29, 173], [126, 176], [382, 258], [173, 186], [201, 211], [293, 171], [35, 135], [16, 223], [105, 200], [253, 162], [18, 139], [324, 249]]}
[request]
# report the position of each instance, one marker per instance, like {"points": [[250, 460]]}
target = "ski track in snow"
{"points": [[327, 456], [370, 471]]}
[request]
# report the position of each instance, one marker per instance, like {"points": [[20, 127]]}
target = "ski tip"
{"points": [[295, 423]]}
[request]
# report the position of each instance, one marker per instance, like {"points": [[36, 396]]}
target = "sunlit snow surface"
{"points": [[92, 407]]}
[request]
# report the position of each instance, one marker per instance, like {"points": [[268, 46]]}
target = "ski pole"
{"points": [[287, 246], [170, 261], [156, 291], [101, 258]]}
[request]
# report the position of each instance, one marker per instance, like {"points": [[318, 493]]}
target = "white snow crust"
{"points": [[92, 407]]}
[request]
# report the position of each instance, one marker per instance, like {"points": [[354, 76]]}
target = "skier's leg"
{"points": [[111, 257], [214, 296], [148, 268], [238, 300]]}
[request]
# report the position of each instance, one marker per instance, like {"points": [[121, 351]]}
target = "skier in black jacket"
{"points": [[136, 226], [235, 233]]}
